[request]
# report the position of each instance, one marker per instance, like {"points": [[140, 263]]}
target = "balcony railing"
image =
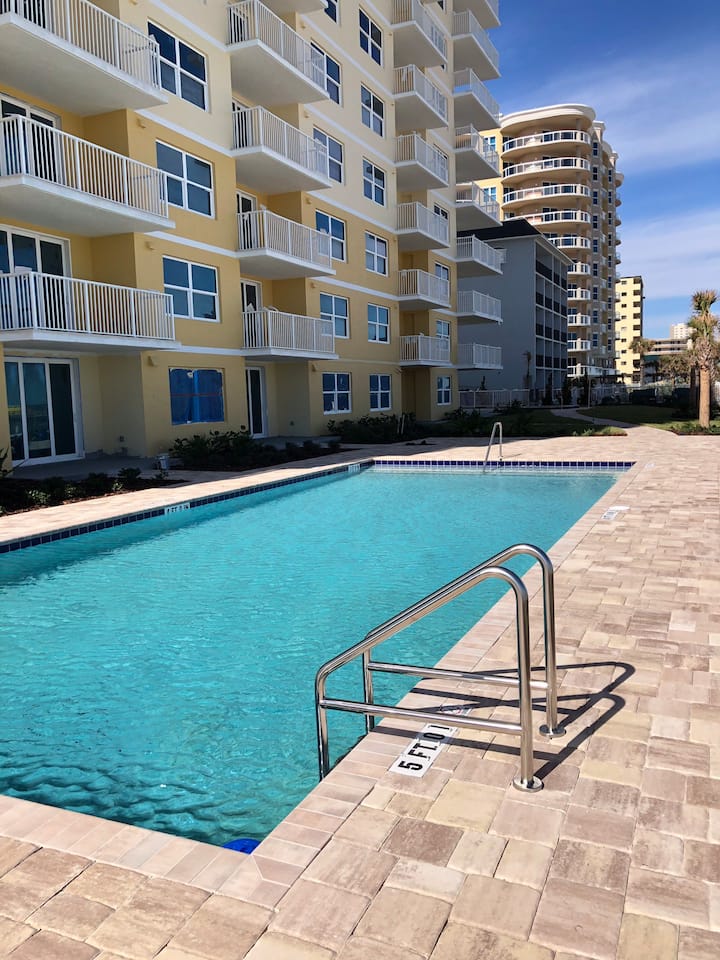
{"points": [[537, 193], [479, 356], [468, 138], [417, 218], [419, 285], [411, 80], [543, 139], [466, 25], [87, 27], [427, 350], [286, 159], [472, 195], [412, 12], [557, 216], [261, 231], [542, 166], [578, 345], [477, 251], [579, 267], [472, 303], [275, 333], [29, 148], [577, 293], [467, 82], [571, 241], [412, 149], [81, 309]]}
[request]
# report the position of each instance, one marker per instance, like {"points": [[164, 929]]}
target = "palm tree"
{"points": [[705, 348], [642, 346]]}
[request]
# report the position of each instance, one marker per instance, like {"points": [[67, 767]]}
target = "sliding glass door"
{"points": [[42, 406]]}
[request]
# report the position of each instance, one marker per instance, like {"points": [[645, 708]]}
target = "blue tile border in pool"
{"points": [[387, 464]]}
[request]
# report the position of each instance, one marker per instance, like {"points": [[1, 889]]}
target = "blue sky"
{"points": [[651, 70]]}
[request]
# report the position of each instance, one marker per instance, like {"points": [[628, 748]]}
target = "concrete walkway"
{"points": [[617, 858]]}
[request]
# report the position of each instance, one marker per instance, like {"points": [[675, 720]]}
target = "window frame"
{"points": [[371, 43], [319, 136], [379, 391], [190, 291], [184, 181], [335, 317], [371, 182], [334, 238], [444, 388], [333, 7], [336, 392], [195, 396], [330, 81], [377, 324], [375, 257], [372, 117], [442, 329], [178, 70]]}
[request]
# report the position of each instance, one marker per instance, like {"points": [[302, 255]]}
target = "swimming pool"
{"points": [[161, 673]]}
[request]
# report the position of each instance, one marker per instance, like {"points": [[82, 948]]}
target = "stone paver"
{"points": [[617, 858]]}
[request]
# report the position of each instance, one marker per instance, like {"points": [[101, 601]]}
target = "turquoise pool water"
{"points": [[161, 673]]}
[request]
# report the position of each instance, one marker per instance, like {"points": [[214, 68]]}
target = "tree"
{"points": [[705, 348], [642, 346], [675, 366]]}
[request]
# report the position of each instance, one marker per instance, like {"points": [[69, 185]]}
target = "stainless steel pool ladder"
{"points": [[497, 428], [490, 569]]}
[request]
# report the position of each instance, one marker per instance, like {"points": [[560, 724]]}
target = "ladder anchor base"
{"points": [[532, 785], [552, 732]]}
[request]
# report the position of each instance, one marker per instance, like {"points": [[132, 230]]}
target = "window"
{"points": [[595, 268], [610, 175], [595, 221], [372, 111], [331, 70], [596, 148], [595, 245], [335, 154], [595, 293], [376, 254], [196, 396], [440, 211], [594, 196], [336, 392], [378, 324], [610, 196], [380, 391], [335, 309], [370, 37], [373, 182], [444, 391], [189, 179], [336, 228], [442, 329], [182, 69], [490, 143], [594, 173], [331, 9], [443, 272], [193, 288]]}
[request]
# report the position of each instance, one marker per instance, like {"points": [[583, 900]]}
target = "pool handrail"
{"points": [[490, 568], [496, 425]]}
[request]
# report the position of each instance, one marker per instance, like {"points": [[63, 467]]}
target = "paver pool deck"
{"points": [[618, 857]]}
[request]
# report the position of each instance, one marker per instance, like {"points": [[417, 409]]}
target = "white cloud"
{"points": [[660, 112]]}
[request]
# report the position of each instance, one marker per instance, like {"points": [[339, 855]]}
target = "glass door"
{"points": [[42, 410], [255, 380], [27, 301], [249, 233]]}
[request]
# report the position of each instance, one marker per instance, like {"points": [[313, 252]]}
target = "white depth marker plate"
{"points": [[420, 755]]}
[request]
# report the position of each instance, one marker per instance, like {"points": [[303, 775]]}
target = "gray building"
{"points": [[533, 292]]}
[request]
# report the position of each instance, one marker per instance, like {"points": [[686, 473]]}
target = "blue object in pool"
{"points": [[242, 844]]}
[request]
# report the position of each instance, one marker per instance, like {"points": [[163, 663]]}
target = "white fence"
{"points": [[412, 148], [420, 283], [480, 356], [473, 303], [468, 138], [467, 81], [476, 196], [493, 399], [416, 216], [470, 248], [43, 301], [412, 11], [257, 127], [411, 80], [272, 330], [263, 230], [465, 23], [420, 349]]}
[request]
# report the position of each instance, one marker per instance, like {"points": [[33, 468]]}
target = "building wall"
{"points": [[628, 327]]}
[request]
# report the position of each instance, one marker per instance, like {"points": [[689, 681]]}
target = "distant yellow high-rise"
{"points": [[628, 327], [215, 216]]}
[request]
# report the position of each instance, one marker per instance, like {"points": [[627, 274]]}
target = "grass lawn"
{"points": [[519, 423], [665, 418]]}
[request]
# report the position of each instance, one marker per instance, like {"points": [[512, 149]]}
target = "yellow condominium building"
{"points": [[560, 175], [216, 216], [628, 327]]}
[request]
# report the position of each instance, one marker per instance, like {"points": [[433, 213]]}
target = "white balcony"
{"points": [[561, 168], [419, 104], [485, 11], [561, 192], [477, 258], [420, 165], [421, 351], [548, 140], [479, 356], [60, 313], [582, 346], [272, 156], [579, 320], [475, 207], [473, 103], [417, 36], [472, 48], [268, 334], [577, 293], [275, 247], [471, 304], [559, 218], [420, 290], [269, 62], [52, 179], [418, 228], [73, 54], [475, 159], [570, 242], [578, 267]]}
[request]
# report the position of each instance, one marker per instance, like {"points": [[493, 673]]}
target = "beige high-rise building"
{"points": [[628, 327], [559, 173], [221, 215]]}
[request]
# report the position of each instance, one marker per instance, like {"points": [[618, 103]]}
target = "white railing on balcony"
{"points": [[556, 216], [579, 267], [424, 285], [263, 230], [577, 293], [470, 248], [421, 349], [474, 303], [416, 216], [557, 190], [542, 139], [412, 11], [466, 81], [570, 241], [257, 127], [468, 138], [479, 355], [471, 193], [42, 301], [575, 345], [252, 20], [411, 148], [465, 23], [539, 166], [412, 80], [578, 320], [88, 27], [492, 399], [33, 149], [273, 330]]}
